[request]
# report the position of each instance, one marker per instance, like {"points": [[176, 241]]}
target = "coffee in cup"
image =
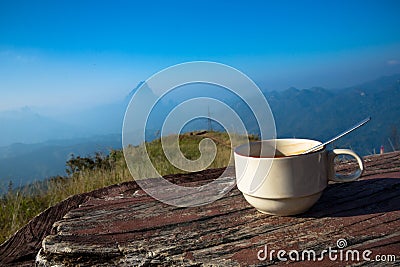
{"points": [[279, 180]]}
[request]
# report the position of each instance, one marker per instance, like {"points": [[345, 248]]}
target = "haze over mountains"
{"points": [[315, 113], [319, 113]]}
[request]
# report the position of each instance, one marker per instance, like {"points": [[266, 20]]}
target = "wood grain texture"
{"points": [[122, 226]]}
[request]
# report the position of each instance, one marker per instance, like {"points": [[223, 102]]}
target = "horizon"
{"points": [[31, 125], [49, 111], [81, 55]]}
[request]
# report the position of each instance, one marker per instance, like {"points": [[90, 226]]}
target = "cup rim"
{"points": [[274, 141]]}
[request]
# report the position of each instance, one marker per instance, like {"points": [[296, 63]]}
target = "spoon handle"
{"points": [[361, 123]]}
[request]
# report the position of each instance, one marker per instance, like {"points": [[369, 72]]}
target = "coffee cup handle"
{"points": [[344, 178]]}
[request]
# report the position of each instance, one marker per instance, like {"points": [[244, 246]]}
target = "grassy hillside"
{"points": [[17, 207]]}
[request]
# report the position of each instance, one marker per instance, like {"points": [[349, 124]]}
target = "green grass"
{"points": [[18, 206]]}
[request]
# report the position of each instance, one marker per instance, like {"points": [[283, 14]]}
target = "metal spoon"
{"points": [[361, 123]]}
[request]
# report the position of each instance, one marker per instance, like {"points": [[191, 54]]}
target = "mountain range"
{"points": [[320, 114], [33, 146]]}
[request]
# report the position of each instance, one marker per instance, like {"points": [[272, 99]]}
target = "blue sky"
{"points": [[57, 55]]}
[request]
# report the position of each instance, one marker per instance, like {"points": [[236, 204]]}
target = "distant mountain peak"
{"points": [[131, 93], [292, 88]]}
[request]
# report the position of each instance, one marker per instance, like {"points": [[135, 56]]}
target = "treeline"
{"points": [[98, 161]]}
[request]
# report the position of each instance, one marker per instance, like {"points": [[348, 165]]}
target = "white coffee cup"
{"points": [[287, 183]]}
